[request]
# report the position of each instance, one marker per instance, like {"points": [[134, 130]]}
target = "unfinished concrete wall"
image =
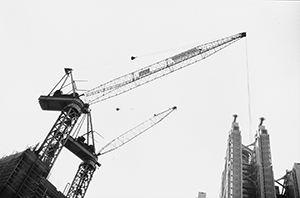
{"points": [[22, 175]]}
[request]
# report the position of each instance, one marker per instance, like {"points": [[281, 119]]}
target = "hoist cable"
{"points": [[249, 94]]}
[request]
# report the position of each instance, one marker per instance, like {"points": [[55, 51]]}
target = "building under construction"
{"points": [[23, 175], [248, 171]]}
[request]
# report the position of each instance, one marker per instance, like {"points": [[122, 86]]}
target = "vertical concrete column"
{"points": [[236, 160], [232, 174], [265, 177]]}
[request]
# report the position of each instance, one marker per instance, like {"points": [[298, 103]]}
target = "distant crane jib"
{"points": [[135, 79]]}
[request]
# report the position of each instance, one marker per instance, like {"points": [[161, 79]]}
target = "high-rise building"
{"points": [[248, 172]]}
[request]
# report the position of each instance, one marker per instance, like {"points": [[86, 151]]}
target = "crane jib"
{"points": [[159, 69], [134, 132], [144, 72]]}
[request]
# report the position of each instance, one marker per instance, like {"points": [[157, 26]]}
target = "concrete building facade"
{"points": [[262, 163], [232, 175]]}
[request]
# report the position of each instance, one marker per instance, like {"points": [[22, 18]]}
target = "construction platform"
{"points": [[23, 175]]}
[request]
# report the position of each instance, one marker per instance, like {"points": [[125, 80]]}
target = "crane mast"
{"points": [[53, 143], [71, 106]]}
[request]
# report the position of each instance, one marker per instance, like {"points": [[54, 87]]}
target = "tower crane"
{"points": [[72, 105], [87, 168]]}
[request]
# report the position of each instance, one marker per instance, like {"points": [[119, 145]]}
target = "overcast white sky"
{"points": [[185, 153]]}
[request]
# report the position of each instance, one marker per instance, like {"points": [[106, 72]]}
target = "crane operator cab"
{"points": [[56, 100]]}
